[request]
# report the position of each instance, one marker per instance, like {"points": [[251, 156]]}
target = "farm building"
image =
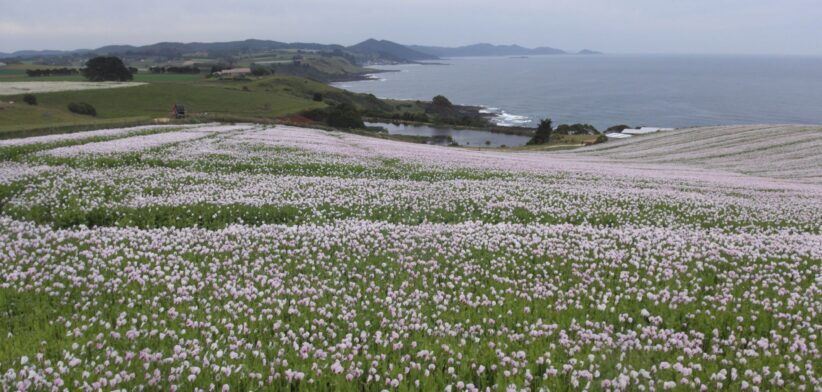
{"points": [[178, 111]]}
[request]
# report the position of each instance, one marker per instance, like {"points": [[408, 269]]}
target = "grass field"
{"points": [[251, 257], [267, 98]]}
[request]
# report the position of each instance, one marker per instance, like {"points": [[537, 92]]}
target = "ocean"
{"points": [[605, 90]]}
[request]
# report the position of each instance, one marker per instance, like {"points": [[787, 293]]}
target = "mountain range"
{"points": [[370, 50]]}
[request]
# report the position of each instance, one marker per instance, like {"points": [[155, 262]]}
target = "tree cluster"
{"points": [[338, 116], [175, 70], [576, 129], [106, 68], [51, 72]]}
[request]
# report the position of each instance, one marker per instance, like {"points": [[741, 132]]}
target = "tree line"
{"points": [[175, 70], [52, 72]]}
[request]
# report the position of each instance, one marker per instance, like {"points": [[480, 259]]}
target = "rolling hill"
{"points": [[390, 50]]}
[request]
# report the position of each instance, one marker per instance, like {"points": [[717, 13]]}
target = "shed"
{"points": [[178, 111]]}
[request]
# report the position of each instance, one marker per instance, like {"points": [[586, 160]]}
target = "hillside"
{"points": [[365, 52], [778, 151], [263, 98], [485, 50], [389, 50]]}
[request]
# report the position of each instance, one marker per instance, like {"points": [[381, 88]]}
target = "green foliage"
{"points": [[82, 108], [441, 101], [338, 116], [406, 116], [106, 68], [576, 129], [543, 133], [317, 97], [30, 99], [260, 70]]}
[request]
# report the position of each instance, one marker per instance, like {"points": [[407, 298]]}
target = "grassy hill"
{"points": [[253, 99], [268, 97]]}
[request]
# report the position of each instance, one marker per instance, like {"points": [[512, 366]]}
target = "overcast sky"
{"points": [[615, 26]]}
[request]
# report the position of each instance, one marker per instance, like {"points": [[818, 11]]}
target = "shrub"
{"points": [[339, 116], [318, 97], [30, 99], [345, 116], [82, 108], [576, 129], [259, 70]]}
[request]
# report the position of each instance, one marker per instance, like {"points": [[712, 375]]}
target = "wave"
{"points": [[505, 119]]}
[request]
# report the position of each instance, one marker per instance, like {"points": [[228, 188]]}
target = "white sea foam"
{"points": [[510, 120], [504, 119], [617, 135]]}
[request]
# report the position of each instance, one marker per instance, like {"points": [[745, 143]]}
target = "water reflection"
{"points": [[462, 137]]}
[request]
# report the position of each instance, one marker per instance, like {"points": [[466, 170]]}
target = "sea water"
{"points": [[605, 90]]}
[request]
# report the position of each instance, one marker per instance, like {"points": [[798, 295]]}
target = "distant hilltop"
{"points": [[368, 51]]}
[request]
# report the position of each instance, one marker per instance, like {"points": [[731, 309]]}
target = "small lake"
{"points": [[463, 137]]}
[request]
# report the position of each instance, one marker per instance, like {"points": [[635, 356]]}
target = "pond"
{"points": [[463, 137]]}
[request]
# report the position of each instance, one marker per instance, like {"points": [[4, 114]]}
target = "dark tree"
{"points": [[318, 97], [106, 68], [543, 133], [441, 101], [30, 99]]}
